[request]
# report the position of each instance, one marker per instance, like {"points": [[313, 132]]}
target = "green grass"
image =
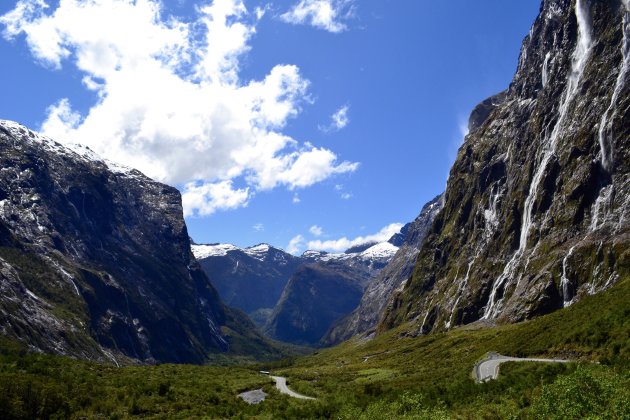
{"points": [[405, 377]]}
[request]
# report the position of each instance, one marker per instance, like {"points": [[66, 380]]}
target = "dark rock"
{"points": [[541, 186]]}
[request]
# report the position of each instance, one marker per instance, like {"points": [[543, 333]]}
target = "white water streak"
{"points": [[602, 207], [545, 70], [604, 134], [462, 287], [580, 57], [581, 54], [564, 281]]}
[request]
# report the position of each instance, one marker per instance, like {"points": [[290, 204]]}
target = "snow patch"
{"points": [[380, 250], [71, 149], [216, 250]]}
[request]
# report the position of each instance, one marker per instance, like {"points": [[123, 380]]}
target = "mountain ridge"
{"points": [[536, 210], [96, 263]]}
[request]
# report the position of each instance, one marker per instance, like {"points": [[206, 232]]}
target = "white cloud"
{"points": [[346, 196], [258, 227], [295, 244], [206, 198], [316, 230], [171, 102], [296, 198], [341, 244], [338, 120], [323, 14]]}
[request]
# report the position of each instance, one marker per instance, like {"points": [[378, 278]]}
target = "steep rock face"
{"points": [[95, 260], [366, 316], [250, 279], [537, 202], [316, 295]]}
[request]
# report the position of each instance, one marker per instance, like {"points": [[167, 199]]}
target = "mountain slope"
{"points": [[250, 279], [253, 279], [315, 296], [366, 316], [536, 208], [95, 260]]}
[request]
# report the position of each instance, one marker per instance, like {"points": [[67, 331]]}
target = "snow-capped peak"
{"points": [[380, 250], [213, 250], [258, 251]]}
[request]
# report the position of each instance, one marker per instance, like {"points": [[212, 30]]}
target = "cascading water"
{"points": [[545, 70], [567, 295], [604, 134], [461, 287], [581, 54], [602, 207]]}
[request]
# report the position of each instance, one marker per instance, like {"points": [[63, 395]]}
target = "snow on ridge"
{"points": [[258, 252], [380, 250], [67, 149], [216, 250]]}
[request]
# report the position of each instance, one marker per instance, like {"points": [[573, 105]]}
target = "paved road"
{"points": [[281, 384], [489, 368]]}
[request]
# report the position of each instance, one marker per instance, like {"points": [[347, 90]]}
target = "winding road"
{"points": [[281, 385], [489, 368]]}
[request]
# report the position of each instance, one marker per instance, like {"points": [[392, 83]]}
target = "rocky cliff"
{"points": [[95, 260], [251, 279], [315, 296], [365, 317], [536, 211]]}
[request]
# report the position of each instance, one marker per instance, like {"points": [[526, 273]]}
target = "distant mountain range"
{"points": [[276, 288]]}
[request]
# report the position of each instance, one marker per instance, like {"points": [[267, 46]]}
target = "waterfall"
{"points": [[564, 281], [580, 57], [581, 54], [601, 207], [604, 134], [545, 70], [460, 289]]}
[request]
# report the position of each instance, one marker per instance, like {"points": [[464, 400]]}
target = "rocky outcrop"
{"points": [[366, 316], [95, 260], [250, 279], [536, 211], [316, 296]]}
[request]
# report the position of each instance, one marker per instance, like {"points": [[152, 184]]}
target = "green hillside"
{"points": [[403, 376]]}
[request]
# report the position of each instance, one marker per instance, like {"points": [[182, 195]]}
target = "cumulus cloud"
{"points": [[328, 15], [341, 244], [206, 198], [295, 244], [170, 99], [316, 230], [338, 120]]}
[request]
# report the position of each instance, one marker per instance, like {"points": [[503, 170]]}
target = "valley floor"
{"points": [[392, 376]]}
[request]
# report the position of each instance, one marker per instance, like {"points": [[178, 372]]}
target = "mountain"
{"points": [[325, 289], [250, 279], [254, 279], [316, 295], [365, 317], [536, 207], [95, 261]]}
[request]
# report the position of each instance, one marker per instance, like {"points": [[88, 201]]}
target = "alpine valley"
{"points": [[109, 309]]}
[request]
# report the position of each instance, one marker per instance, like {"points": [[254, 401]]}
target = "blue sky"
{"points": [[313, 123]]}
